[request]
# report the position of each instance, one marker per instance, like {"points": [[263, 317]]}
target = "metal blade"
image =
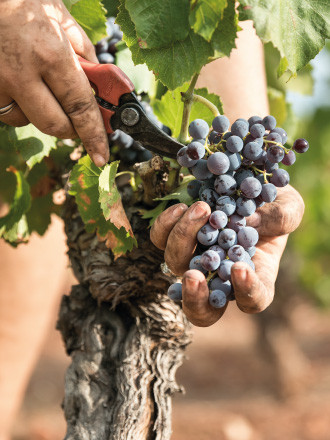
{"points": [[131, 118]]}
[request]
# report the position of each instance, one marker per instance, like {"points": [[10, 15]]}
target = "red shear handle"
{"points": [[109, 83]]}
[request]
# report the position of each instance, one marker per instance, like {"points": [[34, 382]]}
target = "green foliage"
{"points": [[152, 214], [298, 28], [91, 15], [277, 105], [170, 107], [111, 6], [180, 194], [205, 15]]}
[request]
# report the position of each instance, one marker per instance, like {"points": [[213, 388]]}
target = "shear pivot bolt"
{"points": [[130, 116]]}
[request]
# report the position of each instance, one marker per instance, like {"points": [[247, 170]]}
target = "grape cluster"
{"points": [[106, 48], [236, 171]]}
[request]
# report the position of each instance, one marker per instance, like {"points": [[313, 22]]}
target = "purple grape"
{"points": [[220, 124], [218, 219], [269, 122], [105, 58], [300, 145], [259, 202], [218, 284], [219, 250], [254, 120], [289, 158], [250, 187], [101, 46], [247, 237], [270, 166], [251, 251], [234, 144], [226, 135], [224, 271], [225, 185], [234, 160], [268, 192], [218, 163], [280, 178], [209, 196], [198, 129], [217, 299], [226, 204], [240, 128], [200, 170], [257, 130], [252, 151], [242, 174], [262, 159], [183, 159], [236, 253], [214, 137], [195, 264], [275, 154], [227, 238], [195, 150], [245, 207], [175, 292], [210, 260], [282, 133], [207, 235], [274, 137], [236, 222], [193, 188]]}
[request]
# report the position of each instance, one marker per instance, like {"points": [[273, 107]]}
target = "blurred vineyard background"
{"points": [[264, 377]]}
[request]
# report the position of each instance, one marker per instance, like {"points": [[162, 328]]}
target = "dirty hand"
{"points": [[175, 230], [39, 41]]}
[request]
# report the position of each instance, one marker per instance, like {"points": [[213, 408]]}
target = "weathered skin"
{"points": [[39, 41], [173, 232]]}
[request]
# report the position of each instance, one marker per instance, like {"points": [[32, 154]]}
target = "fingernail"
{"points": [[99, 160], [198, 212], [191, 283], [179, 210], [240, 274], [254, 220]]}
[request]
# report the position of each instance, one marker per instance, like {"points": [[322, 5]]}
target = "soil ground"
{"points": [[230, 391]]}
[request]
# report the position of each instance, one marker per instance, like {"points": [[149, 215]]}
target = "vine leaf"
{"points": [[205, 15], [13, 226], [181, 193], [170, 107], [91, 15], [224, 36], [97, 198], [111, 6], [32, 144], [152, 214], [159, 24], [298, 28], [277, 104], [69, 3]]}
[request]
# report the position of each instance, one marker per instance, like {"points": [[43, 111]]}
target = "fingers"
{"points": [[16, 117], [281, 216], [181, 241], [254, 291], [195, 300], [71, 87], [164, 224]]}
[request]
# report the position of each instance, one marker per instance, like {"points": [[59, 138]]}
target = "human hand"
{"points": [[39, 41], [175, 230]]}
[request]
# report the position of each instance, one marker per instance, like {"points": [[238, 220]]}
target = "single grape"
{"points": [[259, 202], [175, 292], [226, 135], [218, 219], [219, 250], [257, 130], [261, 159], [251, 251], [183, 159], [198, 129], [269, 122], [234, 160], [200, 171], [270, 166], [268, 192], [234, 144], [193, 188], [224, 271], [220, 124], [247, 237], [209, 196], [227, 238], [225, 185], [226, 204], [275, 154], [240, 128], [218, 163], [236, 222], [261, 178], [105, 58], [195, 150], [289, 158], [112, 47], [282, 133], [250, 187], [280, 178], [245, 207], [207, 235], [250, 138], [218, 284], [300, 145], [210, 260], [217, 299], [252, 151], [242, 174], [236, 253], [101, 46], [254, 120], [195, 264], [274, 137], [201, 141]]}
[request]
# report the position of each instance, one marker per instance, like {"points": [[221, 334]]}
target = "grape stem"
{"points": [[207, 103], [188, 100]]}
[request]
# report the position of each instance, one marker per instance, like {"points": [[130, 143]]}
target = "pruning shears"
{"points": [[114, 93]]}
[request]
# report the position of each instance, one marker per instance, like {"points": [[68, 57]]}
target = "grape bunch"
{"points": [[236, 171], [107, 47]]}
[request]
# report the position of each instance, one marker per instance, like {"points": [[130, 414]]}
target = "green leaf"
{"points": [[224, 36], [38, 216], [277, 105], [175, 63], [112, 7], [141, 77], [181, 193], [205, 15], [32, 144], [152, 214], [9, 223], [161, 23], [69, 3], [169, 108], [18, 233], [298, 28], [91, 15], [89, 184]]}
